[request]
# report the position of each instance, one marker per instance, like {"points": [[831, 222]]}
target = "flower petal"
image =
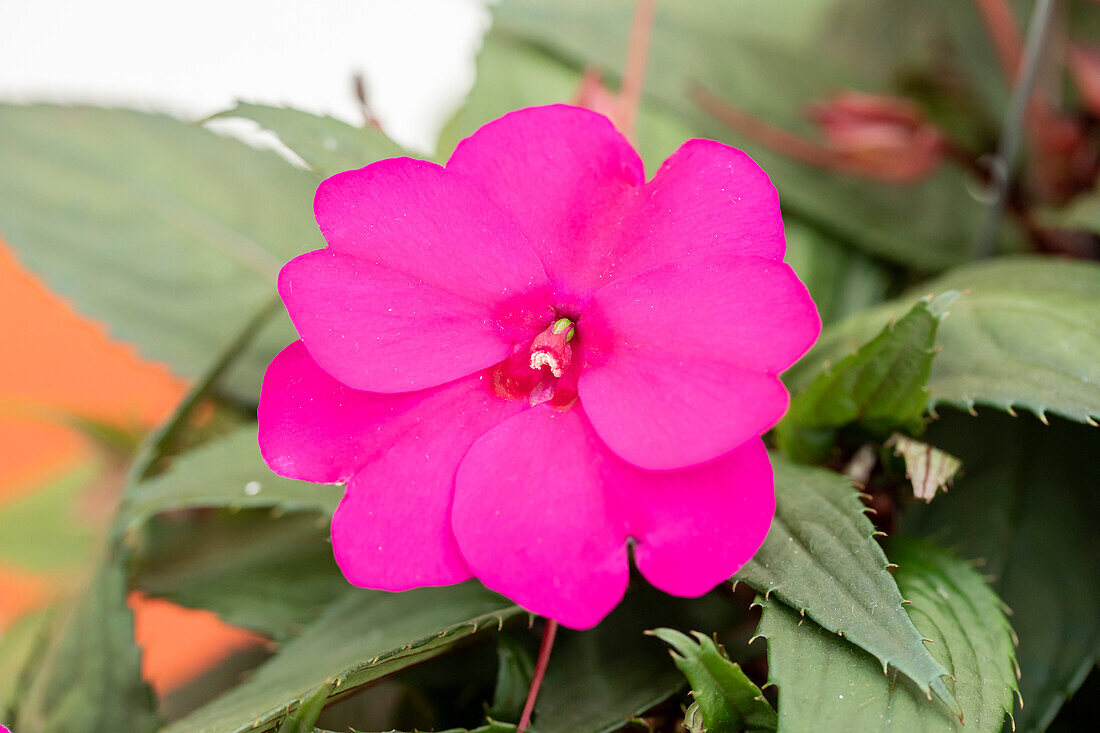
{"points": [[392, 530], [565, 174], [313, 428], [683, 358], [578, 188], [377, 329], [532, 520], [709, 194], [696, 528], [424, 281], [411, 216]]}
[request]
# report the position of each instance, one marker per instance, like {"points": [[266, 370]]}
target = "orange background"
{"points": [[57, 363]]}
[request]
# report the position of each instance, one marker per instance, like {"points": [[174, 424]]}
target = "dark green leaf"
{"points": [[820, 558], [727, 699], [826, 684], [880, 387], [228, 472], [360, 638], [1022, 334], [600, 680], [515, 668], [270, 575], [89, 677], [302, 719], [327, 145], [167, 232], [1026, 504]]}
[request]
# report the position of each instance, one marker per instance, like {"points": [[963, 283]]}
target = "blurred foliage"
{"points": [[173, 235]]}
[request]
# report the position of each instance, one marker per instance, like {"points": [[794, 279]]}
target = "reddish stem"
{"points": [[547, 645], [1000, 21], [637, 51], [761, 131]]}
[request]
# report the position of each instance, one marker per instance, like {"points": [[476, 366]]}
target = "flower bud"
{"points": [[886, 138]]}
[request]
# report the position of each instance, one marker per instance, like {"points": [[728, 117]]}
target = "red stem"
{"points": [[1000, 21], [763, 132], [548, 635], [637, 51]]}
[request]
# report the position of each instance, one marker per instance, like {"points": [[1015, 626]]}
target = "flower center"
{"points": [[540, 371]]}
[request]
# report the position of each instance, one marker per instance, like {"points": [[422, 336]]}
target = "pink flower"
{"points": [[526, 360]]}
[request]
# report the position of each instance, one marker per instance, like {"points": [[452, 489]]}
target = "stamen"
{"points": [[539, 359]]}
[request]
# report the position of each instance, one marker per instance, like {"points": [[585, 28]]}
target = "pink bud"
{"points": [[1084, 65], [593, 94], [886, 138]]}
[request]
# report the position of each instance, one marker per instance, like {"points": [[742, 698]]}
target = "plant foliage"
{"points": [[959, 352]]}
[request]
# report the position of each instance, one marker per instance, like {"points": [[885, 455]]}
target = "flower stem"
{"points": [[637, 51], [1000, 22], [547, 645], [1004, 163]]}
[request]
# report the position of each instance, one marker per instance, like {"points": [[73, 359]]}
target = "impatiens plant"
{"points": [[571, 370], [531, 357]]}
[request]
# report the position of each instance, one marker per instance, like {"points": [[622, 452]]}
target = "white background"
{"points": [[197, 57]]}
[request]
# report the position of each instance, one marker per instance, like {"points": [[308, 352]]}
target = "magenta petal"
{"points": [[314, 428], [392, 529], [566, 175], [377, 329], [414, 217], [578, 188], [425, 279], [696, 528], [710, 194], [532, 520], [684, 357]]}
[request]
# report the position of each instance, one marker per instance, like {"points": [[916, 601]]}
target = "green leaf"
{"points": [[1026, 505], [1022, 334], [20, 649], [228, 472], [880, 387], [928, 469], [490, 727], [826, 684], [88, 679], [821, 559], [52, 511], [727, 698], [327, 145], [770, 60], [361, 638], [515, 668], [271, 575], [168, 233], [600, 680], [1083, 213], [842, 280], [512, 75], [302, 719]]}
